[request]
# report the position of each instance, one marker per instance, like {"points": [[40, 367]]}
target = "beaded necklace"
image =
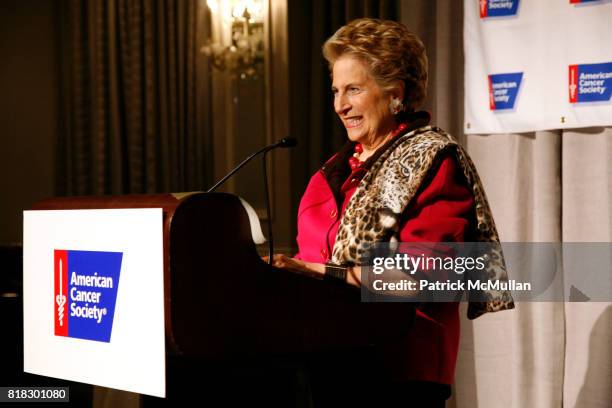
{"points": [[354, 161]]}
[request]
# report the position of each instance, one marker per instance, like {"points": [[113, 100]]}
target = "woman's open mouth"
{"points": [[353, 122]]}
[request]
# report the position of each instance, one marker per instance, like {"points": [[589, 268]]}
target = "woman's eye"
{"points": [[353, 90]]}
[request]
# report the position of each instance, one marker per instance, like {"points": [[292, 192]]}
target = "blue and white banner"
{"points": [[85, 295], [536, 65]]}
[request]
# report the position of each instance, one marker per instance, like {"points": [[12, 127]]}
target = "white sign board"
{"points": [[93, 291], [536, 65]]}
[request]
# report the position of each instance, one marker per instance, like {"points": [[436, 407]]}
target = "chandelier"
{"points": [[239, 47]]}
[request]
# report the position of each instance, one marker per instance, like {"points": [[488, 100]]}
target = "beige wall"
{"points": [[29, 99]]}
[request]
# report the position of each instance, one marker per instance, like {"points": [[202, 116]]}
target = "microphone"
{"points": [[285, 142]]}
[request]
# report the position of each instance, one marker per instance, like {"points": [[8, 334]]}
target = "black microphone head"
{"points": [[287, 142]]}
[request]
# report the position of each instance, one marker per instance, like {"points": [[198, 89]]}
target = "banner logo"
{"points": [[85, 295], [503, 89], [590, 82], [582, 1], [498, 8]]}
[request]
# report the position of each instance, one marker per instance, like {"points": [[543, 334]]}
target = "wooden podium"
{"points": [[222, 301]]}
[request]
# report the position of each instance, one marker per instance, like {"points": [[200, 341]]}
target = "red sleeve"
{"points": [[441, 211]]}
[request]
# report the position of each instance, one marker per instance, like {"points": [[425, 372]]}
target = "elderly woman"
{"points": [[396, 177]]}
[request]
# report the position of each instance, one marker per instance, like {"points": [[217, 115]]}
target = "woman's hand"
{"points": [[311, 269]]}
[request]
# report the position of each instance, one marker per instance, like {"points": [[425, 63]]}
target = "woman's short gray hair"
{"points": [[391, 51]]}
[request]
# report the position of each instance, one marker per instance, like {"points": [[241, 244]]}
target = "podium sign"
{"points": [[93, 288]]}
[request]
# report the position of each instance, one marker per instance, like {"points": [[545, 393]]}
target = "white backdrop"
{"points": [[537, 65]]}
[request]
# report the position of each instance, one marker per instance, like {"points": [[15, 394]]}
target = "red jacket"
{"points": [[439, 213]]}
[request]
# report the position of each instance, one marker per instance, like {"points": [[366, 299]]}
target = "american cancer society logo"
{"points": [[503, 89], [498, 8], [590, 82], [85, 293]]}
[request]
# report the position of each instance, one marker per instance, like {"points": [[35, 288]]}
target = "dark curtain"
{"points": [[312, 118], [134, 118]]}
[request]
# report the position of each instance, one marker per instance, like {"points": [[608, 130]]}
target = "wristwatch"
{"points": [[335, 272]]}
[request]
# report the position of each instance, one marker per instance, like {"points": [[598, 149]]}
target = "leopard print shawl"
{"points": [[389, 187]]}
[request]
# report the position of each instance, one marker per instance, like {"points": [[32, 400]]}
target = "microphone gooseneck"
{"points": [[284, 142]]}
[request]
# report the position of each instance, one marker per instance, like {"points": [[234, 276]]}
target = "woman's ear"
{"points": [[398, 91]]}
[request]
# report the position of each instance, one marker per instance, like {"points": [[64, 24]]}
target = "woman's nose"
{"points": [[341, 104]]}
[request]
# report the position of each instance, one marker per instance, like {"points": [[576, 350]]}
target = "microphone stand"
{"points": [[285, 142], [267, 190]]}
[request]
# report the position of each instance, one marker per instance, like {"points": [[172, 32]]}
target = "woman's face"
{"points": [[360, 103]]}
